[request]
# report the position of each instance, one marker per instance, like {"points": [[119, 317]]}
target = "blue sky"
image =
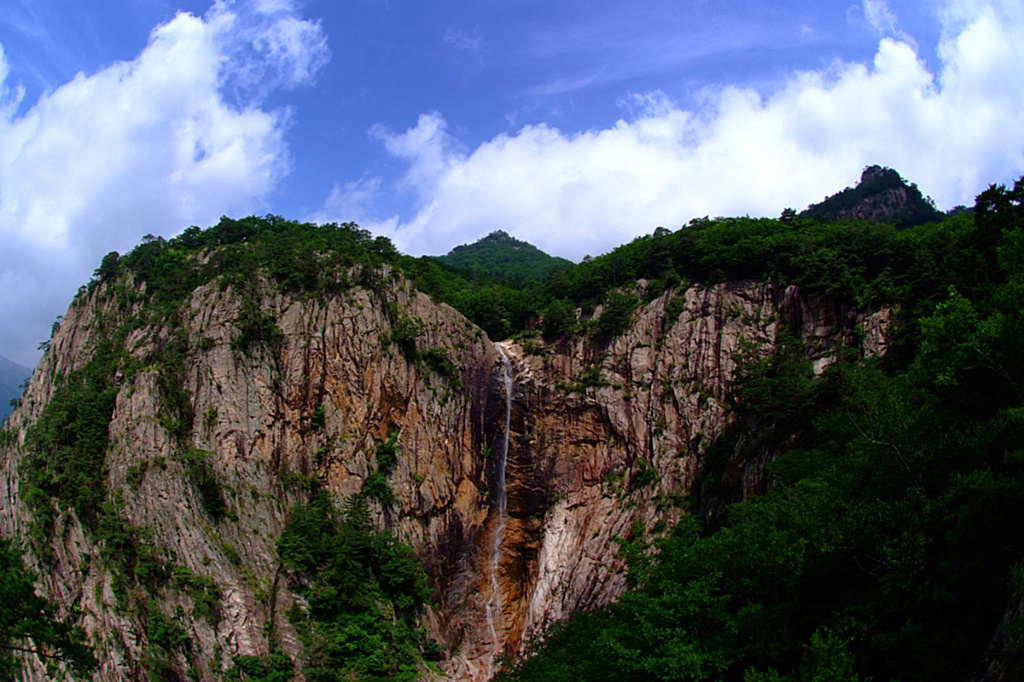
{"points": [[576, 126]]}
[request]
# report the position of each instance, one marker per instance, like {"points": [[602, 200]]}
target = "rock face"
{"points": [[604, 441]]}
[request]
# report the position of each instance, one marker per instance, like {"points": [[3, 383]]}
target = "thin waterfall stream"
{"points": [[500, 506]]}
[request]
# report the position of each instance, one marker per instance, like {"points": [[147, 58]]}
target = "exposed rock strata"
{"points": [[589, 461]]}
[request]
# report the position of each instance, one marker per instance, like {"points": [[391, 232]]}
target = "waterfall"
{"points": [[500, 507]]}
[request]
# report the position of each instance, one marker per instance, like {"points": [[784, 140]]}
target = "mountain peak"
{"points": [[497, 235], [499, 254], [878, 173], [881, 196]]}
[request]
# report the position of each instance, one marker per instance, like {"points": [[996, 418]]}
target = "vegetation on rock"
{"points": [[892, 538], [67, 447], [881, 196], [28, 624], [363, 590]]}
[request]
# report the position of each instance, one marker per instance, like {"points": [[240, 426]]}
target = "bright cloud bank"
{"points": [[174, 137], [952, 132]]}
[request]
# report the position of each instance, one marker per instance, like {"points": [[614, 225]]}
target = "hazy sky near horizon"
{"points": [[574, 126]]}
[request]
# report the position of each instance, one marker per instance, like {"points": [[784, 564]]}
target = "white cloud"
{"points": [[272, 6], [470, 42], [266, 49], [884, 21], [429, 150], [143, 146], [953, 132], [347, 201]]}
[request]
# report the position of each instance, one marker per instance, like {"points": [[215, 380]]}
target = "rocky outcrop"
{"points": [[881, 196], [605, 440], [1002, 661]]}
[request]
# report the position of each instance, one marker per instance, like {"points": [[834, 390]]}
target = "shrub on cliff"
{"points": [[29, 626], [363, 589]]}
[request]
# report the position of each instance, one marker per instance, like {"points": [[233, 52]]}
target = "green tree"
{"points": [[559, 318], [617, 315], [28, 624], [364, 590]]}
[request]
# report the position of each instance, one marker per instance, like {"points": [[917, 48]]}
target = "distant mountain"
{"points": [[501, 255], [881, 196], [12, 375]]}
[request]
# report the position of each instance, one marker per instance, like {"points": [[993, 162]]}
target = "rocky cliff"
{"points": [[604, 441]]}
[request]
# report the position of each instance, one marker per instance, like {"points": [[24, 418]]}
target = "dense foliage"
{"points": [[300, 258], [497, 282], [67, 447], [28, 624], [364, 590], [855, 262], [499, 255], [893, 537]]}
